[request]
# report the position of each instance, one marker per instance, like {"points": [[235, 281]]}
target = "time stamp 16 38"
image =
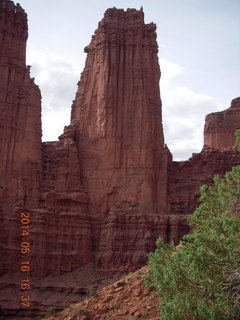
{"points": [[25, 258]]}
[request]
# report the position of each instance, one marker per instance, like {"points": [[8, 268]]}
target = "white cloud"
{"points": [[170, 70], [57, 80], [54, 122], [184, 112]]}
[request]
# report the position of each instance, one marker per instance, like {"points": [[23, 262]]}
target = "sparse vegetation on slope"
{"points": [[201, 280], [126, 299]]}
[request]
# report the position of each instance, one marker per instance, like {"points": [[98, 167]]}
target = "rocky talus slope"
{"points": [[128, 298]]}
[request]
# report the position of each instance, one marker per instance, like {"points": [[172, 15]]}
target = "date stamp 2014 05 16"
{"points": [[25, 258]]}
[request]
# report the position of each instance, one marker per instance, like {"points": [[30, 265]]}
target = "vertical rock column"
{"points": [[20, 129], [120, 136], [118, 108]]}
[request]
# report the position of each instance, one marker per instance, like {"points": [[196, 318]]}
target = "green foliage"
{"points": [[116, 307], [138, 274], [237, 134], [84, 312], [91, 292], [51, 311], [74, 316], [196, 281]]}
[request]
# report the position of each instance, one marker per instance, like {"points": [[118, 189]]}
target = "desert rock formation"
{"points": [[108, 187], [220, 127], [119, 135], [20, 130]]}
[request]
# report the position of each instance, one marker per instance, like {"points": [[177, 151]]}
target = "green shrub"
{"points": [[201, 280], [116, 307], [84, 312], [91, 292], [139, 272], [51, 311]]}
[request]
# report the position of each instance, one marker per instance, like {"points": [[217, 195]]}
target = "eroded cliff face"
{"points": [[20, 103], [41, 178], [20, 130], [62, 227], [219, 154], [186, 177], [220, 127]]}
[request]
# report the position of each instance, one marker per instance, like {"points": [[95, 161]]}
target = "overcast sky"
{"points": [[199, 54]]}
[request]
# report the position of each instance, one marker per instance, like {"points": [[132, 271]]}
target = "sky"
{"points": [[199, 56]]}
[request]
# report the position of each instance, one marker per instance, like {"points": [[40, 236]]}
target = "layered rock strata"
{"points": [[186, 177], [62, 226]]}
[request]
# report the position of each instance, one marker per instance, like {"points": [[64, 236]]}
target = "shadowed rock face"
{"points": [[108, 188], [43, 178], [20, 130], [20, 112], [120, 137]]}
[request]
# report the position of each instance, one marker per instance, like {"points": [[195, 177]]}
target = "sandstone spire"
{"points": [[118, 94], [20, 110], [120, 136], [118, 110], [20, 128]]}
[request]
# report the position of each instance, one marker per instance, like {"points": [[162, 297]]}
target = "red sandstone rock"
{"points": [[60, 231], [20, 131], [61, 235], [219, 155], [220, 127], [130, 301], [108, 188], [62, 225], [120, 136]]}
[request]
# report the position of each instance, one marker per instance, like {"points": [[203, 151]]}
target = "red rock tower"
{"points": [[118, 110], [20, 111], [118, 113], [20, 127]]}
